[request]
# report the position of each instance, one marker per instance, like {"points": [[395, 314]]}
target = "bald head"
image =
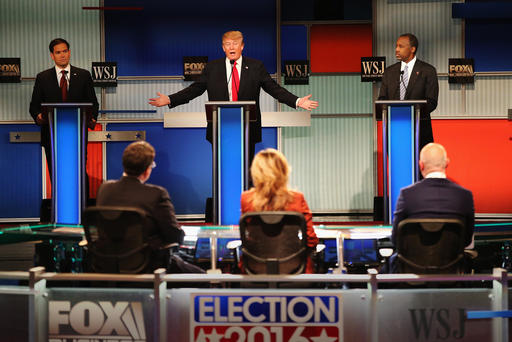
{"points": [[433, 158]]}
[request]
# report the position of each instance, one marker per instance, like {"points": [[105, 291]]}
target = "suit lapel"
{"points": [[414, 77], [73, 75], [396, 83], [244, 76], [54, 84]]}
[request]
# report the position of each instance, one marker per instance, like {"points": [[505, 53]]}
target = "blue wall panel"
{"points": [[21, 174], [183, 161], [490, 49], [153, 41], [294, 42]]}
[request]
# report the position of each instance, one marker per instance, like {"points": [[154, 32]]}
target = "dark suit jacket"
{"points": [[253, 77], [162, 226], [47, 90], [435, 198], [422, 85]]}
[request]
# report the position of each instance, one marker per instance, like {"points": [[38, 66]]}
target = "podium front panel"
{"points": [[230, 168], [67, 177], [401, 152]]}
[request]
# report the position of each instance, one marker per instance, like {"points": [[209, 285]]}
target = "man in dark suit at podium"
{"points": [[235, 78], [412, 79], [434, 197], [62, 83]]}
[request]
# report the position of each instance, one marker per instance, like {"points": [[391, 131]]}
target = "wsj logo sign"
{"points": [[461, 70], [104, 74], [193, 67], [266, 317], [10, 70], [296, 72], [372, 68], [95, 321], [439, 324]]}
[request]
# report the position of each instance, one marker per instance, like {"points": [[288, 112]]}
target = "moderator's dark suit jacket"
{"points": [[47, 90], [422, 85], [162, 226], [253, 77], [435, 198]]}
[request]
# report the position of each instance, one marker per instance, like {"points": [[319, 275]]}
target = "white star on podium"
{"points": [[214, 337], [323, 338]]}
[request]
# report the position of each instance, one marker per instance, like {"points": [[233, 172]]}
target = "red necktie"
{"points": [[235, 84], [64, 86]]}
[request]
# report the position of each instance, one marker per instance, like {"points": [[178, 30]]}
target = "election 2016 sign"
{"points": [[266, 316]]}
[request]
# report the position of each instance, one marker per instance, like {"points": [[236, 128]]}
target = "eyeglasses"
{"points": [[153, 164]]}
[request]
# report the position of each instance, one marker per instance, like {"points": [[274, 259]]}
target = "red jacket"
{"points": [[299, 205]]}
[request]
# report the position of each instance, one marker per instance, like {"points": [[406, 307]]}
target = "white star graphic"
{"points": [[214, 337], [323, 338]]}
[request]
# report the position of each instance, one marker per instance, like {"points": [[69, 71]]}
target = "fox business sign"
{"points": [[104, 74], [193, 67], [372, 68], [461, 70], [97, 321], [266, 317], [10, 70]]}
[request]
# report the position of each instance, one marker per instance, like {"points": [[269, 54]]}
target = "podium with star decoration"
{"points": [[230, 156], [400, 147], [68, 129]]}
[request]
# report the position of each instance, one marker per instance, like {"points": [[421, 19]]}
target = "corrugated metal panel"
{"points": [[15, 100], [134, 95], [28, 26], [439, 36], [489, 96], [336, 94], [332, 162], [450, 99]]}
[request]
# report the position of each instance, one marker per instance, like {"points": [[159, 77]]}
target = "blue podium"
{"points": [[230, 156], [68, 129], [400, 147]]}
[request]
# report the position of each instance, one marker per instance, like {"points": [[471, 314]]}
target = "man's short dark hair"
{"points": [[137, 157], [57, 41], [413, 41]]}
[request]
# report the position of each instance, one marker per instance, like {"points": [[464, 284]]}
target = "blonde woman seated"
{"points": [[270, 171]]}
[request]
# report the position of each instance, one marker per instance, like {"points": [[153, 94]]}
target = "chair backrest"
{"points": [[273, 242], [430, 246], [116, 240]]}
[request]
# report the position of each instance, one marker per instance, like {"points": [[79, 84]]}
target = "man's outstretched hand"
{"points": [[161, 100], [306, 103]]}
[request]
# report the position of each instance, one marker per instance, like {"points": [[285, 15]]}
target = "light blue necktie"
{"points": [[404, 81]]}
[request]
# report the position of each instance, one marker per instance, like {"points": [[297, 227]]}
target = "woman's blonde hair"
{"points": [[270, 171]]}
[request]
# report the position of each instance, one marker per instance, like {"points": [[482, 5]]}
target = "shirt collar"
{"points": [[68, 69], [410, 65], [436, 174], [238, 62]]}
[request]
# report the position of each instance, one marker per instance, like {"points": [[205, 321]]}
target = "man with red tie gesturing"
{"points": [[62, 83], [235, 78]]}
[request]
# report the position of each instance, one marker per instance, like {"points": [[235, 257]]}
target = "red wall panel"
{"points": [[480, 152], [339, 48]]}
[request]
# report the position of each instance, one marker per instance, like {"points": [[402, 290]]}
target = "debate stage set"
{"points": [[350, 157]]}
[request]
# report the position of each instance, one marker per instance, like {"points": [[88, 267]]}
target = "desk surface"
{"points": [[24, 232]]}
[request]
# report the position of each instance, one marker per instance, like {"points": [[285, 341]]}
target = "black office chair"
{"points": [[115, 240], [273, 242], [430, 246]]}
